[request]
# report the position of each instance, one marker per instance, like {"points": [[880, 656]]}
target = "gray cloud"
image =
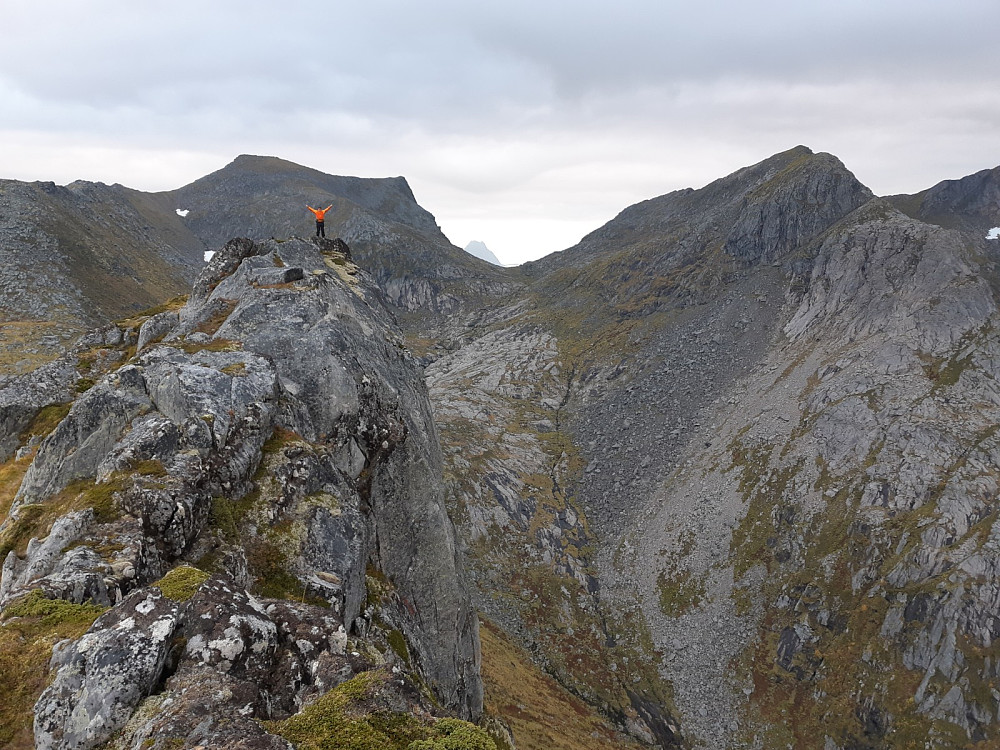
{"points": [[524, 116]]}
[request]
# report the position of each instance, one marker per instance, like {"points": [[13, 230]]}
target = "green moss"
{"points": [[352, 717], [336, 720], [269, 566], [454, 734], [280, 437], [52, 612], [30, 626], [223, 309], [97, 495], [398, 644], [34, 519], [181, 582], [212, 345], [947, 372], [149, 467], [18, 531], [763, 488], [84, 384], [378, 588], [236, 370], [171, 305]]}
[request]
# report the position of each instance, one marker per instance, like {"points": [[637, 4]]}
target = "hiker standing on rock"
{"points": [[320, 213]]}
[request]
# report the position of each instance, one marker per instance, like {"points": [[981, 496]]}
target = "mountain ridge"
{"points": [[727, 468]]}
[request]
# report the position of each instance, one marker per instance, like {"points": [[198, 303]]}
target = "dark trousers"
{"points": [[320, 230]]}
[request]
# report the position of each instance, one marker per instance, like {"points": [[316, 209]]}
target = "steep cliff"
{"points": [[247, 491], [747, 430]]}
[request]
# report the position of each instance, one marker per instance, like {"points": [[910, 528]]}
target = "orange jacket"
{"points": [[320, 212]]}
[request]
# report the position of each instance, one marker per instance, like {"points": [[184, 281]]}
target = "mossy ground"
{"points": [[269, 542], [28, 630], [36, 519], [23, 346], [354, 716], [181, 582], [45, 421]]}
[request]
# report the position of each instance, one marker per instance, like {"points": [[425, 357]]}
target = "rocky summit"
{"points": [[247, 492], [723, 475]]}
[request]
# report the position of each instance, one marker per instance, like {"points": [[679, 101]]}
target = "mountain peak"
{"points": [[479, 249], [971, 203]]}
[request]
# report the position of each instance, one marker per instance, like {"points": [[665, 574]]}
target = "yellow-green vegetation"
{"points": [[21, 343], [679, 592], [51, 612], [181, 582], [45, 421], [270, 543], [541, 713], [454, 734], [236, 370], [763, 487], [345, 270], [595, 654], [354, 716], [378, 588], [28, 630], [945, 372], [149, 467], [265, 550], [83, 385], [35, 519], [212, 345], [171, 305], [11, 474], [398, 644]]}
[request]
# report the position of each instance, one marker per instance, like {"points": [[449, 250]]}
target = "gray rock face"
{"points": [[971, 203], [102, 677], [280, 428], [21, 398], [784, 462], [812, 193]]}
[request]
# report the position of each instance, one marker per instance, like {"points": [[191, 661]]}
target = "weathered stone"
{"points": [[102, 677]]}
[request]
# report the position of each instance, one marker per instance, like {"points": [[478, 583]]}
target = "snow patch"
{"points": [[993, 234], [182, 212], [208, 255]]}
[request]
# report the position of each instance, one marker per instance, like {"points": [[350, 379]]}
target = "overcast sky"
{"points": [[521, 124]]}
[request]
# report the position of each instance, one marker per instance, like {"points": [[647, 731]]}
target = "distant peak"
{"points": [[269, 163], [479, 249]]}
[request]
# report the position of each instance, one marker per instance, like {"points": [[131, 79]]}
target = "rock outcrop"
{"points": [[270, 447], [727, 470]]}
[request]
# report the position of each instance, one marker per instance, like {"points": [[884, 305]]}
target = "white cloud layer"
{"points": [[522, 124]]}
